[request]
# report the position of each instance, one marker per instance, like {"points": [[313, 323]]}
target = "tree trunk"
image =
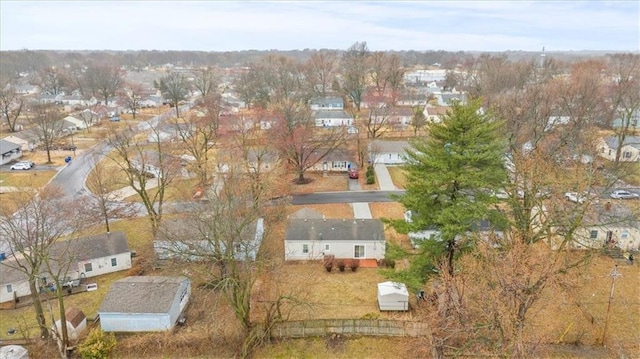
{"points": [[177, 110], [37, 306], [48, 155], [63, 323], [300, 177]]}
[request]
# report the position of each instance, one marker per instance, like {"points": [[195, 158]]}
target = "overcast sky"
{"points": [[287, 25]]}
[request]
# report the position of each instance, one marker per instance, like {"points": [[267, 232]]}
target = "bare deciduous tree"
{"points": [[206, 80], [131, 98], [354, 64], [624, 95], [47, 125], [103, 81], [41, 221], [321, 68], [149, 168], [11, 105], [53, 81], [174, 87]]}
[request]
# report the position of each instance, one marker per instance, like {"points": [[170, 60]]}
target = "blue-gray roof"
{"points": [[143, 294], [331, 114], [633, 141]]}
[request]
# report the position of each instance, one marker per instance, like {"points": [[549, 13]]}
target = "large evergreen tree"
{"points": [[451, 175]]}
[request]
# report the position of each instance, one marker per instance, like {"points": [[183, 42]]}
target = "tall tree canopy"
{"points": [[450, 176]]}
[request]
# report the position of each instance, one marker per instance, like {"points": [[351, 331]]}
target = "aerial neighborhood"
{"points": [[324, 193]]}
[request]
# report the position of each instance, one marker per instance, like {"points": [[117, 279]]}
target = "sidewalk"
{"points": [[384, 178], [122, 193], [361, 210]]}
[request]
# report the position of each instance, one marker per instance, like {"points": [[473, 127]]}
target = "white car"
{"points": [[622, 194], [575, 197], [21, 166]]}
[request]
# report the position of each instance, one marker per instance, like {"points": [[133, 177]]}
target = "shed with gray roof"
{"points": [[144, 304]]}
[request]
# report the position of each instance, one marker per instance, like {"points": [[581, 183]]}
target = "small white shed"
{"points": [[13, 352], [393, 296], [76, 323]]}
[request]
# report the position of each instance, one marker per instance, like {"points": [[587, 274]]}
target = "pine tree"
{"points": [[451, 174]]}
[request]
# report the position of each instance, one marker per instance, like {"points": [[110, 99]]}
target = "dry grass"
{"points": [[31, 178], [320, 183], [397, 176], [390, 210], [332, 210]]}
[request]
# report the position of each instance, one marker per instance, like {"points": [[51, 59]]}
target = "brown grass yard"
{"points": [[319, 183], [397, 176]]}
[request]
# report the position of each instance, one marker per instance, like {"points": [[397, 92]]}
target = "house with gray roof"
{"points": [[446, 98], [189, 239], [632, 123], [327, 103], [328, 118], [630, 148], [388, 152], [85, 257], [144, 304], [312, 239], [9, 151]]}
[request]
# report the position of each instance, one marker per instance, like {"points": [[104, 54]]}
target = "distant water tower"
{"points": [[542, 56]]}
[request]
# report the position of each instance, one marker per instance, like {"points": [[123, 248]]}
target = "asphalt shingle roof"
{"points": [[142, 294], [335, 229]]}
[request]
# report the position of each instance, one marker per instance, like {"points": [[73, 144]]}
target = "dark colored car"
{"points": [[353, 173], [68, 147]]}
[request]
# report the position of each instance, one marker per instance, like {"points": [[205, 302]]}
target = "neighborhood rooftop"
{"points": [[141, 295]]}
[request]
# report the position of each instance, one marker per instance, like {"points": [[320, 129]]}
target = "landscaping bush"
{"points": [[98, 345], [371, 180], [354, 265], [329, 262], [342, 265]]}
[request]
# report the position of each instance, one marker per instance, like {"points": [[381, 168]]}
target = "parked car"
{"points": [[31, 164], [21, 166], [622, 194], [575, 197], [353, 174], [67, 147]]}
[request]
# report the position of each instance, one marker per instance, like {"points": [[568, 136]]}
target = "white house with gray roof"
{"points": [[311, 239], [388, 152], [86, 257], [327, 103], [630, 148], [326, 118], [9, 151], [144, 304]]}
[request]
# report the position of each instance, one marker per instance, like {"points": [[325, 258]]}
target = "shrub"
{"points": [[329, 262], [98, 345], [342, 265], [354, 265], [371, 180], [328, 266]]}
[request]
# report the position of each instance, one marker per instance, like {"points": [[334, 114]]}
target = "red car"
{"points": [[353, 173]]}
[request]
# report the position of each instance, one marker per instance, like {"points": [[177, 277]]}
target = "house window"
{"points": [[624, 235], [114, 262], [594, 234], [9, 288], [358, 251], [327, 247], [626, 154], [88, 267], [305, 248]]}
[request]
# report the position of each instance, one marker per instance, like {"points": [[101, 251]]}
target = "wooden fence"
{"points": [[366, 327]]}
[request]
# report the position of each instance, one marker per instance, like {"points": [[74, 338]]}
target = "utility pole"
{"points": [[614, 275]]}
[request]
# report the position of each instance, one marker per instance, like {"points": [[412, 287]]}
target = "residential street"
{"points": [[344, 197]]}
